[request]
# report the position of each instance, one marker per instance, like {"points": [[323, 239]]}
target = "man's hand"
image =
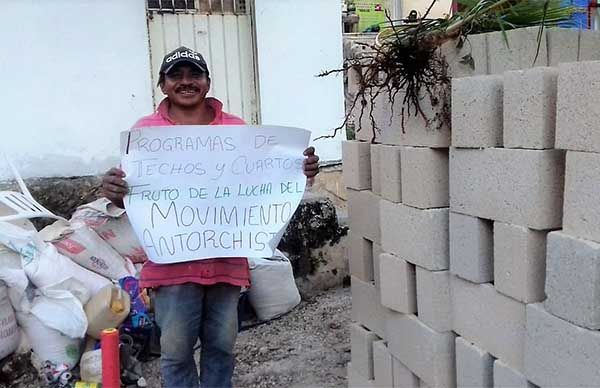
{"points": [[311, 165], [114, 187]]}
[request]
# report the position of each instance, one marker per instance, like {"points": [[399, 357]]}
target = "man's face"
{"points": [[185, 85]]}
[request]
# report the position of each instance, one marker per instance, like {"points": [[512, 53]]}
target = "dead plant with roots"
{"points": [[406, 60]]}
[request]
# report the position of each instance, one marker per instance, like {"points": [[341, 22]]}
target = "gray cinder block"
{"points": [[563, 45], [476, 46], [589, 45], [434, 303], [521, 187], [558, 353], [361, 343], [424, 177], [519, 262], [573, 280], [520, 52], [356, 156], [477, 111], [471, 248], [397, 284], [507, 377], [376, 168], [530, 108], [427, 353], [363, 210], [391, 179], [582, 202], [577, 108], [366, 306], [474, 366], [418, 236], [495, 322]]}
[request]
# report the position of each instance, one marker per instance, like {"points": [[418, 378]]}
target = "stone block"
{"points": [[495, 322], [398, 288], [589, 45], [356, 156], [360, 257], [391, 179], [558, 353], [519, 262], [363, 210], [477, 111], [382, 365], [377, 251], [427, 353], [390, 130], [475, 46], [521, 51], [424, 177], [577, 108], [366, 306], [434, 303], [474, 366], [418, 236], [403, 377], [507, 377], [376, 168], [361, 343], [530, 108], [356, 380], [471, 248], [521, 187], [563, 45], [573, 279], [582, 202]]}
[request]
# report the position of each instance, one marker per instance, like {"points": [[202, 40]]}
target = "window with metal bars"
{"points": [[236, 7]]}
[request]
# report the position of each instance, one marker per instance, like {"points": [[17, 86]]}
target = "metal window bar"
{"points": [[224, 7], [171, 6]]}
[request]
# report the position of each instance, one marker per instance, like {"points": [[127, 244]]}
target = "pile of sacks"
{"points": [[59, 284]]}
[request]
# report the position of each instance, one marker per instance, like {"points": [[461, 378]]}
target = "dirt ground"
{"points": [[309, 347]]}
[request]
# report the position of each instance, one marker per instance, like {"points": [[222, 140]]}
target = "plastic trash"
{"points": [[90, 366], [107, 309]]}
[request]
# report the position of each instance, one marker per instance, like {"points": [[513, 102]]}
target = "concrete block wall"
{"points": [[475, 254]]}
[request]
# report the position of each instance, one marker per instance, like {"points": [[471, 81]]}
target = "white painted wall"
{"points": [[74, 73], [295, 41]]}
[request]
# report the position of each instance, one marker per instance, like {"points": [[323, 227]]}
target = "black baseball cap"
{"points": [[183, 54]]}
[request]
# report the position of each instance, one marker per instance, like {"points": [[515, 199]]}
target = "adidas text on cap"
{"points": [[183, 54]]}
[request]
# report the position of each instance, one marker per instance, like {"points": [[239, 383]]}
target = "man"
{"points": [[195, 299]]}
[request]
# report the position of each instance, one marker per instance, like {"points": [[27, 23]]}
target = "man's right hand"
{"points": [[114, 186]]}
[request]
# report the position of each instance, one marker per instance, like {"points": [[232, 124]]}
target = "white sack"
{"points": [[46, 268], [49, 344], [273, 290], [61, 311], [112, 225], [13, 275], [82, 245], [10, 335]]}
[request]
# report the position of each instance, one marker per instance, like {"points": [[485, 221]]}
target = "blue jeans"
{"points": [[190, 311]]}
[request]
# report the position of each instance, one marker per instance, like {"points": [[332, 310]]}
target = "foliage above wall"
{"points": [[405, 61]]}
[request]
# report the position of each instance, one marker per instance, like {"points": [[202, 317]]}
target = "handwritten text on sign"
{"points": [[201, 192]]}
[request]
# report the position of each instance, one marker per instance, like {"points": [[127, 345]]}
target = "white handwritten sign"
{"points": [[198, 192]]}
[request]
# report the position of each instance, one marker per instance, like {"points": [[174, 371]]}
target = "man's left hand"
{"points": [[311, 164]]}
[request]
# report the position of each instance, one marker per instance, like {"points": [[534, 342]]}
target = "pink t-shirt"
{"points": [[233, 270]]}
